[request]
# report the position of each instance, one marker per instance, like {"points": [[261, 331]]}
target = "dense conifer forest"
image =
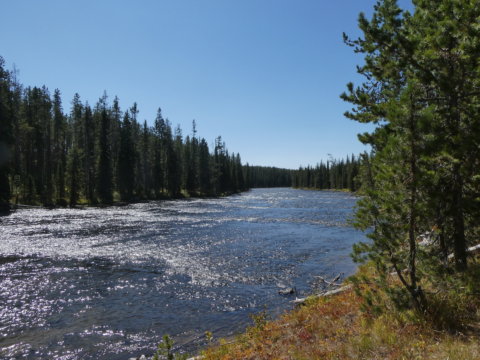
{"points": [[98, 154], [335, 174], [101, 154], [266, 176]]}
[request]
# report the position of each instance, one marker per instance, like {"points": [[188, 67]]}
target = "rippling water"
{"points": [[108, 283]]}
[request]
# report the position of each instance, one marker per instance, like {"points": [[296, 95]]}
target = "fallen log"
{"points": [[299, 301], [471, 250], [330, 283]]}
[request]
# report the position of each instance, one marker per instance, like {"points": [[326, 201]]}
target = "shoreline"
{"points": [[13, 207], [338, 325]]}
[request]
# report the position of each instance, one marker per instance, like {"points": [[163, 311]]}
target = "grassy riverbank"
{"points": [[340, 327]]}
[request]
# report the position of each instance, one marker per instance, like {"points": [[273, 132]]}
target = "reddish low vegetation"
{"points": [[338, 327]]}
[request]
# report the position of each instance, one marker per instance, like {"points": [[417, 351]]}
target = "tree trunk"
{"points": [[459, 241]]}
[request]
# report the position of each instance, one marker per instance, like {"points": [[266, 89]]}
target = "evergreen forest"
{"points": [[100, 154], [335, 174], [421, 90]]}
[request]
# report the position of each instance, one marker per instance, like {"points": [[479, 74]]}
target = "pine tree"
{"points": [[159, 166], [6, 139], [46, 118], [178, 162], [419, 88], [239, 176], [136, 136], [204, 168], [105, 185], [447, 42], [14, 106], [172, 163], [391, 207], [191, 161], [76, 121], [115, 135], [75, 153], [74, 172], [219, 175], [145, 159], [89, 150], [126, 161], [59, 144]]}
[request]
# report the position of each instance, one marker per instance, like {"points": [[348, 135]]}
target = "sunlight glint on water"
{"points": [[108, 283]]}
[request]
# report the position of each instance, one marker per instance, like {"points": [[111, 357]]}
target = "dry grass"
{"points": [[336, 328]]}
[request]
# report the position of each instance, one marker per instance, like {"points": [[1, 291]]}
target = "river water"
{"points": [[107, 283]]}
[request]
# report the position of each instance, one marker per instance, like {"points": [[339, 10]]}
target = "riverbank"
{"points": [[83, 203], [317, 189], [339, 327]]}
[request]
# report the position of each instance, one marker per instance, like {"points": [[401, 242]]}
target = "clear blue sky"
{"points": [[264, 74]]}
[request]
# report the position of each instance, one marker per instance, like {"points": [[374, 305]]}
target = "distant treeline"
{"points": [[100, 154], [265, 176], [335, 174]]}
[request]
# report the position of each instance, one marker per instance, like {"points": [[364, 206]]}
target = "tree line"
{"points": [[269, 176], [335, 174], [421, 89], [100, 154]]}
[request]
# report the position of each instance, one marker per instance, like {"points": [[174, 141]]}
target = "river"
{"points": [[107, 283]]}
